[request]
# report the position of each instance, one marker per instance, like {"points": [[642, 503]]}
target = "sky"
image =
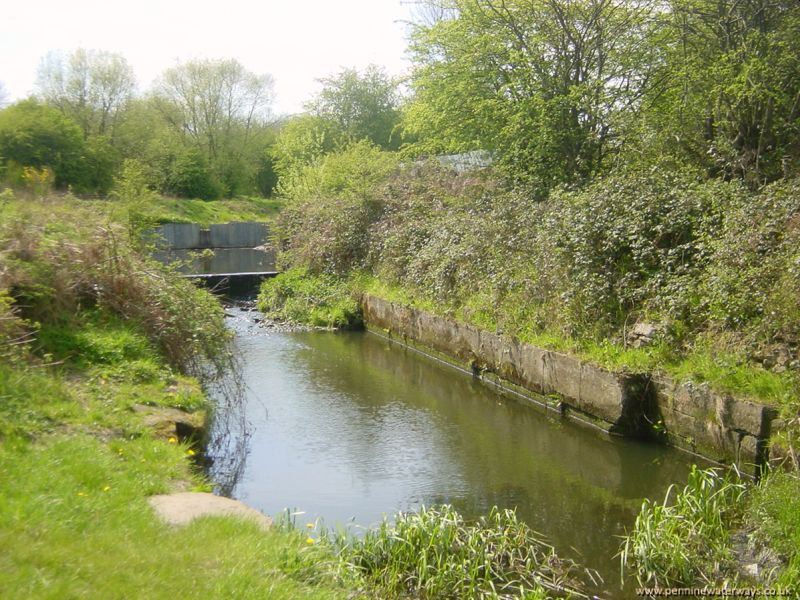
{"points": [[296, 41]]}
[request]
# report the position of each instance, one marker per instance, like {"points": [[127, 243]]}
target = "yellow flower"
{"points": [[81, 493], [309, 541], [173, 440], [191, 452], [108, 487], [310, 525]]}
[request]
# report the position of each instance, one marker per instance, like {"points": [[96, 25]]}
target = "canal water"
{"points": [[349, 427]]}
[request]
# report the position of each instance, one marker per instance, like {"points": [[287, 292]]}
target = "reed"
{"points": [[435, 553], [686, 540]]}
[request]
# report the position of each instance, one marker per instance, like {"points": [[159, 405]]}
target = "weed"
{"points": [[296, 296], [433, 553], [682, 541], [774, 515]]}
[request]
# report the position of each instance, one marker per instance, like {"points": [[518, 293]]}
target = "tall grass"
{"points": [[59, 257], [435, 553], [686, 540], [299, 296]]}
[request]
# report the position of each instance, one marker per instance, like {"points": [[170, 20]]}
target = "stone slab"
{"points": [[182, 508]]}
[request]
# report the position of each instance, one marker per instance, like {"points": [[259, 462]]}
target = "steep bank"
{"points": [[718, 426]]}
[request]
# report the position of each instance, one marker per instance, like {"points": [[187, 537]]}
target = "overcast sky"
{"points": [[296, 41]]}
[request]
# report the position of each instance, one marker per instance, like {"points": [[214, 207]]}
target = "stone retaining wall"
{"points": [[691, 417]]}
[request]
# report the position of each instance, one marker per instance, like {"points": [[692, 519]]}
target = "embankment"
{"points": [[689, 416]]}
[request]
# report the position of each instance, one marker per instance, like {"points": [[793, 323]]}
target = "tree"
{"points": [[220, 109], [36, 135], [302, 141], [545, 85], [365, 106], [732, 94], [91, 87]]}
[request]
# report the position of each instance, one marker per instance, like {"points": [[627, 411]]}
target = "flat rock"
{"points": [[167, 422], [181, 508]]}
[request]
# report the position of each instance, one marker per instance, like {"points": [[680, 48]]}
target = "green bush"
{"points": [[331, 205], [190, 176], [714, 265], [754, 278], [303, 141], [297, 296], [35, 135], [61, 258]]}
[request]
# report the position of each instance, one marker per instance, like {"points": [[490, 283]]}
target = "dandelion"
{"points": [[310, 541], [310, 525], [173, 440], [108, 487], [191, 452]]}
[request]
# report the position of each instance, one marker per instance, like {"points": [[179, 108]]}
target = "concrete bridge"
{"points": [[223, 255]]}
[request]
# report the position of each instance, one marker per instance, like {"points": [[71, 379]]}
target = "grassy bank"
{"points": [[726, 371], [206, 212], [93, 339]]}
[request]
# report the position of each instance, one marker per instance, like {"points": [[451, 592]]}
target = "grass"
{"points": [[774, 514], [165, 209], [681, 541], [297, 296], [206, 212], [89, 329], [76, 523], [730, 372], [434, 553], [78, 465]]}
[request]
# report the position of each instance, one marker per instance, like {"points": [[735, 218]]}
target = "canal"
{"points": [[349, 427]]}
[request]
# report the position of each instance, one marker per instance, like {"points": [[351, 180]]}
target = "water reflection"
{"points": [[219, 260], [358, 427]]}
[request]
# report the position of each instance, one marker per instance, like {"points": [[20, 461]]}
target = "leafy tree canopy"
{"points": [[91, 87], [33, 134], [364, 105]]}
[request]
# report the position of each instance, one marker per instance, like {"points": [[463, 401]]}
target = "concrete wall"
{"points": [[220, 260], [691, 417], [713, 424], [238, 235], [178, 235], [189, 236]]}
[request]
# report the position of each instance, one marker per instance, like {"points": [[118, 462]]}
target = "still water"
{"points": [[348, 427]]}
